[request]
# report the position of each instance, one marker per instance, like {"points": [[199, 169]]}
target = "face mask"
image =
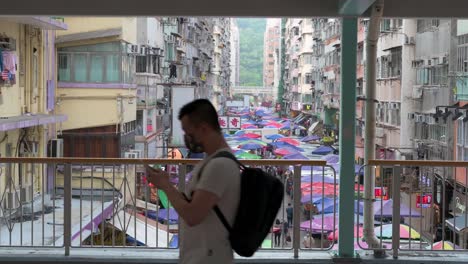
{"points": [[192, 145]]}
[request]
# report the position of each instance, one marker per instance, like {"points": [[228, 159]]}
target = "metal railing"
{"points": [[88, 203], [419, 206]]}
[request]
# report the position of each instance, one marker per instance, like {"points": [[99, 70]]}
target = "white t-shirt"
{"points": [[208, 241]]}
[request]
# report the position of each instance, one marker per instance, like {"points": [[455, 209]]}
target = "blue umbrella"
{"points": [[239, 133], [318, 178], [331, 158], [286, 145], [274, 136], [226, 135], [295, 156], [326, 205], [310, 138], [323, 150], [250, 146]]}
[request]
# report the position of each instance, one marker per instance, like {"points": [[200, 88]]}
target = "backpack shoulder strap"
{"points": [[221, 154]]}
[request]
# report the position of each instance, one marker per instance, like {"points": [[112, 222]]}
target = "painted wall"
{"points": [[89, 24], [95, 107]]}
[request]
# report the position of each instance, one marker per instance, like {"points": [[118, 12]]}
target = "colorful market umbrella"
{"points": [[250, 146], [318, 177], [256, 141], [284, 151], [358, 233], [443, 245], [251, 135], [285, 144], [295, 156], [385, 209], [239, 133], [163, 198], [331, 158], [274, 136], [247, 155], [244, 126], [289, 141], [406, 232], [310, 138], [323, 150]]}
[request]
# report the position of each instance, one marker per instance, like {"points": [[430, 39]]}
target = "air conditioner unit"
{"points": [[55, 148], [443, 60], [429, 62], [26, 193], [144, 50], [134, 49], [11, 200], [131, 155], [411, 116], [430, 120], [411, 41], [394, 106], [419, 118]]}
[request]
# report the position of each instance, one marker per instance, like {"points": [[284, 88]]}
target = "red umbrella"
{"points": [[319, 188], [290, 141], [274, 124], [358, 232], [282, 152], [248, 126], [251, 135]]}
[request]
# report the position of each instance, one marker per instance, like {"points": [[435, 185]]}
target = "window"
{"points": [[141, 64], [435, 75], [308, 78], [385, 25], [307, 59], [97, 63], [462, 140], [427, 25], [64, 68]]}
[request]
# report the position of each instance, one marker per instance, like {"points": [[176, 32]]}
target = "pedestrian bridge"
{"points": [[252, 90]]}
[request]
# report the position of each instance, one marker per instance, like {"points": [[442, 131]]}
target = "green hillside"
{"points": [[251, 31]]}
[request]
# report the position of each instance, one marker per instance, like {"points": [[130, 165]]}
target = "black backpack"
{"points": [[261, 196]]}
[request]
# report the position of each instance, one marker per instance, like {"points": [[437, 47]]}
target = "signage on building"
{"points": [[381, 193], [306, 107], [223, 122], [424, 201], [234, 122]]}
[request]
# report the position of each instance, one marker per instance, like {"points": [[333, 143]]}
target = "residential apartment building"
{"points": [[27, 104], [271, 63], [96, 74], [235, 53]]}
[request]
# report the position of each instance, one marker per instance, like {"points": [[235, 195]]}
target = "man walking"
{"points": [[203, 238]]}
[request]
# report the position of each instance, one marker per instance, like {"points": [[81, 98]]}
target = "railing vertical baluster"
{"points": [[67, 210], [396, 210], [181, 187], [296, 210]]}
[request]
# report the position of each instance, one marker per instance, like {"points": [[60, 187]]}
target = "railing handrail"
{"points": [[263, 162], [436, 163]]}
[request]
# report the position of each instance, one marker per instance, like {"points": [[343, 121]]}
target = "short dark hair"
{"points": [[201, 110]]}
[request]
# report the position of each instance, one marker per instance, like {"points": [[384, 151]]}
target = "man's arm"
{"points": [[195, 211]]}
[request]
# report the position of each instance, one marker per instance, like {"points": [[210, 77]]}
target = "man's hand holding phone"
{"points": [[158, 177]]}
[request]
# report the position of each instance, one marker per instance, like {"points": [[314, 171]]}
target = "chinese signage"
{"points": [[223, 122], [381, 193], [229, 122], [234, 122], [424, 201]]}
